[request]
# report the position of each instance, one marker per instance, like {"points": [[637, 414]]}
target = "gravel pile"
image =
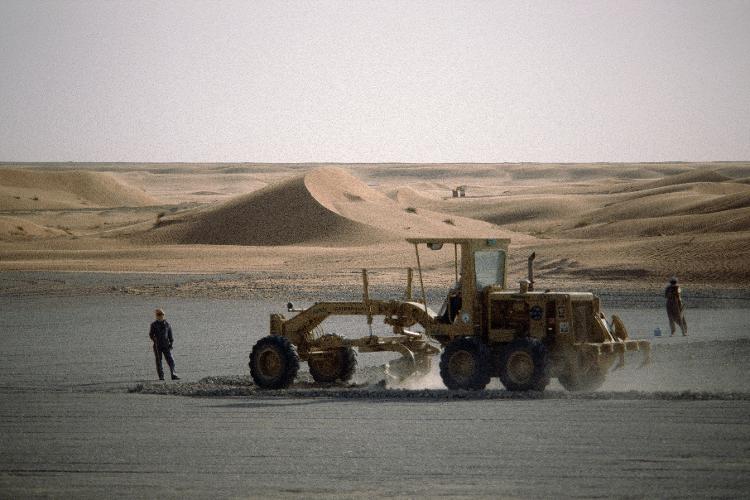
{"points": [[242, 386]]}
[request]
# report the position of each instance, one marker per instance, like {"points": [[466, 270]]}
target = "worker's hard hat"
{"points": [[673, 280]]}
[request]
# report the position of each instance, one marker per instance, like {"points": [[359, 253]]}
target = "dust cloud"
{"points": [[711, 370]]}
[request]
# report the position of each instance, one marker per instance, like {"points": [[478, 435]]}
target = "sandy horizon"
{"points": [[620, 225]]}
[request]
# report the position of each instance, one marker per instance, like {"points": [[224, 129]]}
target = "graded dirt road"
{"points": [[94, 445], [70, 428]]}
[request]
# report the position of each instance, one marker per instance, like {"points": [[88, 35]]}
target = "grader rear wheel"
{"points": [[583, 375], [274, 362], [523, 365], [465, 364], [336, 365]]}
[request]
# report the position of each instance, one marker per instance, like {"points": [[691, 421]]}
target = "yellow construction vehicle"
{"points": [[523, 336]]}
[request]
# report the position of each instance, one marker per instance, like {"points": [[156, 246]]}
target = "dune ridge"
{"points": [[281, 214], [326, 206], [699, 201], [683, 178]]}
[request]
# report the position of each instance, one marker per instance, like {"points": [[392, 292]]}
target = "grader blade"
{"points": [[403, 367]]}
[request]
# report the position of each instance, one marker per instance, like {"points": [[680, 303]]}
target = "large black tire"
{"points": [[274, 362], [466, 364], [523, 365], [583, 376], [336, 366]]}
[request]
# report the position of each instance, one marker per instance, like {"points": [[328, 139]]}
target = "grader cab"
{"points": [[522, 336]]}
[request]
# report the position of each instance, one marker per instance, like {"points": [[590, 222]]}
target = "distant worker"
{"points": [[161, 335], [675, 307]]}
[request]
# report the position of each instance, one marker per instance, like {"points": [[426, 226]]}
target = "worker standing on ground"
{"points": [[161, 335], [675, 307]]}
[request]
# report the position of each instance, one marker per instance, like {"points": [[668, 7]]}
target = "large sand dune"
{"points": [[327, 206], [32, 189], [285, 213]]}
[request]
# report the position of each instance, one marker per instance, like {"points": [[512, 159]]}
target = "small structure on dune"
{"points": [[459, 192]]}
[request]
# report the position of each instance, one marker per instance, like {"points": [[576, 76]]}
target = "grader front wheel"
{"points": [[274, 362], [337, 364]]}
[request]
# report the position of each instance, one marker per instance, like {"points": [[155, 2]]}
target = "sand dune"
{"points": [[530, 211], [327, 206], [281, 214], [696, 201], [664, 210], [588, 172], [663, 205], [683, 178], [29, 189], [722, 203], [701, 188], [698, 257], [739, 170], [14, 228], [408, 196], [717, 222]]}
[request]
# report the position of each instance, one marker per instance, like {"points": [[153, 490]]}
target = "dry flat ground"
{"points": [[70, 428], [135, 446], [87, 250]]}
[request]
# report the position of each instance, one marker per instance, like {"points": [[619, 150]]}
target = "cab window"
{"points": [[490, 267]]}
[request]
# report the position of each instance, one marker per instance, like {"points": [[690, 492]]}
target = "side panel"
{"points": [[564, 320], [537, 315], [582, 321], [511, 316]]}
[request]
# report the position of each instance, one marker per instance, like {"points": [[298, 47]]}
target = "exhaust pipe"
{"points": [[531, 271]]}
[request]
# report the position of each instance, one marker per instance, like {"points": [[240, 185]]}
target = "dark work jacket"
{"points": [[161, 334], [674, 300]]}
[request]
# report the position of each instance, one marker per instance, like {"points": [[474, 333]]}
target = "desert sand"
{"points": [[630, 226], [87, 251]]}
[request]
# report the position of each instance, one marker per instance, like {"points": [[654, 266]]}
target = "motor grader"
{"points": [[523, 336]]}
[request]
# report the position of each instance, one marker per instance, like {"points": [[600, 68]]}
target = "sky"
{"points": [[374, 81]]}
